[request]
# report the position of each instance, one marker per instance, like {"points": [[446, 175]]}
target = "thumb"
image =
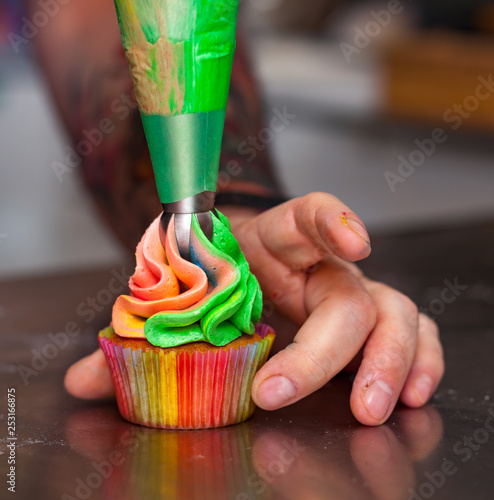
{"points": [[90, 377]]}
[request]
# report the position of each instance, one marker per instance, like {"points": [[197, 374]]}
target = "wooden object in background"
{"points": [[426, 74]]}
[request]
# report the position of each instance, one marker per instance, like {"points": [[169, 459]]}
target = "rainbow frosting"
{"points": [[183, 348], [214, 298]]}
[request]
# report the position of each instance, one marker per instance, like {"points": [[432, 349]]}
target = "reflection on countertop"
{"points": [[71, 449], [261, 458]]}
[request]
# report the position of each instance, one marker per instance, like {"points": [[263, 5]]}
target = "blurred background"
{"points": [[369, 83]]}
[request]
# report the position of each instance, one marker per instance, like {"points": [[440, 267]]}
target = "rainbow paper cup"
{"points": [[194, 386]]}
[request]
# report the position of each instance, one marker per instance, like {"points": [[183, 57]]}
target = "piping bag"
{"points": [[180, 55]]}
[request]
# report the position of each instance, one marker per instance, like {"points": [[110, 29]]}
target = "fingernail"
{"points": [[275, 392], [422, 388], [357, 227], [376, 399]]}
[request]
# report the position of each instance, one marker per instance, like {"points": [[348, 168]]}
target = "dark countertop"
{"points": [[314, 449]]}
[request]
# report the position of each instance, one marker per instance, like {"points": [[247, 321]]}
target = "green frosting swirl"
{"points": [[231, 308]]}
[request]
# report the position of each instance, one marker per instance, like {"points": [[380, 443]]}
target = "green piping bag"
{"points": [[180, 55]]}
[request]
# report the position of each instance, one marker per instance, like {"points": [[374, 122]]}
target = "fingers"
{"points": [[341, 315], [427, 367], [284, 242], [387, 356], [302, 231], [90, 378]]}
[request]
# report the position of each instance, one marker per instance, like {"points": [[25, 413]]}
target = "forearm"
{"points": [[242, 169], [76, 51], [84, 62]]}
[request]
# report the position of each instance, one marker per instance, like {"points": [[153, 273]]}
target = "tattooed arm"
{"points": [[82, 57]]}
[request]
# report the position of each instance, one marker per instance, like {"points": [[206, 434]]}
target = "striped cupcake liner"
{"points": [[187, 390]]}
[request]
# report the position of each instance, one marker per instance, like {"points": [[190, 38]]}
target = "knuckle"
{"points": [[437, 359], [308, 205], [356, 271], [408, 308], [319, 369], [361, 309], [311, 202], [429, 329], [428, 326], [407, 304], [435, 362], [440, 366], [315, 197], [394, 357], [439, 352]]}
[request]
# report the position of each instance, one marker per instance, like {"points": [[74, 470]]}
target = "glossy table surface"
{"points": [[66, 448]]}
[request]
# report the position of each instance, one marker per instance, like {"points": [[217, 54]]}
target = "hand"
{"points": [[301, 252]]}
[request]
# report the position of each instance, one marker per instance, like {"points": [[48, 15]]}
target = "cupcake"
{"points": [[184, 346]]}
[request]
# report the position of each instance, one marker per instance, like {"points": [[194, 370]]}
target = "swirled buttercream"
{"points": [[215, 298]]}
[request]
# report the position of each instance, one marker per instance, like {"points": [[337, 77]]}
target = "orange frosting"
{"points": [[154, 285]]}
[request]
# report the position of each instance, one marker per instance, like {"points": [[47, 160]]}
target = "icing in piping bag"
{"points": [[180, 55]]}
